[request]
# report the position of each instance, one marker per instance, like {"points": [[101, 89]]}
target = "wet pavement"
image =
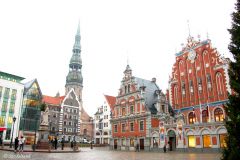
{"points": [[103, 153]]}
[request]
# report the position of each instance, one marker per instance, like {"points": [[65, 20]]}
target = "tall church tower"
{"points": [[74, 78]]}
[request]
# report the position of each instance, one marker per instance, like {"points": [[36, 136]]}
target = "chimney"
{"points": [[154, 80]]}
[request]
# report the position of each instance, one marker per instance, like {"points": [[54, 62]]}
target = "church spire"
{"points": [[77, 45], [74, 78]]}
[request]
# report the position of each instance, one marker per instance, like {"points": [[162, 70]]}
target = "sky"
{"points": [[37, 37]]}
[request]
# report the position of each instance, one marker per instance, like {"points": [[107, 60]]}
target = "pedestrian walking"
{"points": [[137, 147], [164, 148], [16, 144], [62, 143], [55, 142], [1, 141], [72, 144], [21, 143]]}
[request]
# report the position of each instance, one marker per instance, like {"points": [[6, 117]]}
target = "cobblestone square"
{"points": [[106, 154]]}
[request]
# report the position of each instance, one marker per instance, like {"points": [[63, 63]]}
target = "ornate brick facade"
{"points": [[135, 117], [197, 93]]}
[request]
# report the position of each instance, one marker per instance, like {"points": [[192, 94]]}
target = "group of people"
{"points": [[54, 143], [19, 143]]}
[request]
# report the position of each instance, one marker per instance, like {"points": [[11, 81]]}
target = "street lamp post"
{"points": [[14, 119], [35, 136]]}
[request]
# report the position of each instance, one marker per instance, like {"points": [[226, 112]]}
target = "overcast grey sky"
{"points": [[36, 39]]}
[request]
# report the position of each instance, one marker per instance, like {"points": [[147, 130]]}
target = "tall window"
{"points": [[191, 141], [183, 88], [123, 127], [191, 118], [191, 86], [115, 128], [131, 109], [14, 94], [128, 88], [219, 81], [123, 111], [218, 114], [209, 84], [176, 94], [6, 93], [204, 116], [199, 85], [141, 126], [131, 127], [206, 141], [222, 140]]}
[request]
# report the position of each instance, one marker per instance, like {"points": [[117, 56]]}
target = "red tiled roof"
{"points": [[111, 101], [52, 100]]}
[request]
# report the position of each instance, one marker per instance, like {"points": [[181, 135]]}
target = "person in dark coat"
{"points": [[1, 140], [164, 148], [55, 142], [62, 143], [16, 144]]}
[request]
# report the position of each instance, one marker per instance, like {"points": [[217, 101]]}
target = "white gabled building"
{"points": [[102, 129]]}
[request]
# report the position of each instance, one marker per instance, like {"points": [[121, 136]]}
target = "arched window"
{"points": [[191, 118], [204, 116], [218, 115]]}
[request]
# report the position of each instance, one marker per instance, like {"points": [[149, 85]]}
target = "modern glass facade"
{"points": [[31, 111], [30, 115]]}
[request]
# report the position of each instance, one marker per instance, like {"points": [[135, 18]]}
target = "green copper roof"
{"points": [[10, 77]]}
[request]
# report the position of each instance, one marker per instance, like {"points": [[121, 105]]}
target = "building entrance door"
{"points": [[172, 140], [115, 143], [141, 144]]}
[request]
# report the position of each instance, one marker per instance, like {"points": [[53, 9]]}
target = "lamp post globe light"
{"points": [[14, 119]]}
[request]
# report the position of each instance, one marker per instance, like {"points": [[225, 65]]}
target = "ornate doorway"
{"points": [[172, 140]]}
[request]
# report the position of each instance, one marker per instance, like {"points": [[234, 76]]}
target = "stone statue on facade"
{"points": [[44, 117]]}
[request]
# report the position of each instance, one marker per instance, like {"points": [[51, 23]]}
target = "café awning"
{"points": [[3, 129]]}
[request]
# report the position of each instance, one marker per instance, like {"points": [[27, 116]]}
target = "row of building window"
{"points": [[66, 116], [124, 111], [199, 84], [125, 128], [218, 116], [70, 110], [206, 141], [219, 85], [70, 123], [69, 130]]}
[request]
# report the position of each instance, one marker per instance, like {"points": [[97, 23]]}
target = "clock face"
{"points": [[191, 55]]}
